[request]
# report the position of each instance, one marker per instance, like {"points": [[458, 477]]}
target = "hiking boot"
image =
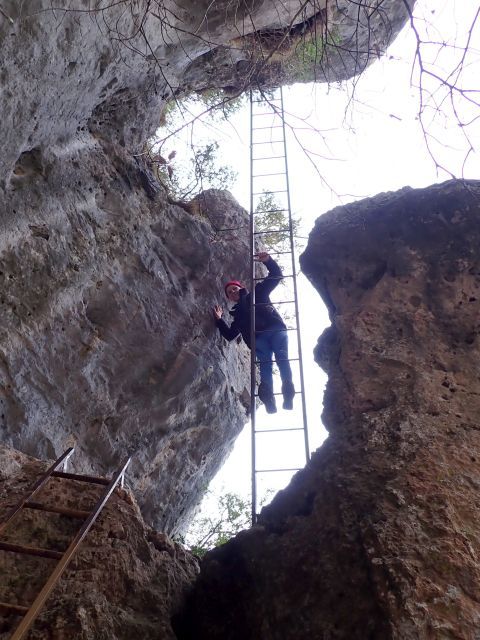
{"points": [[288, 391], [265, 393]]}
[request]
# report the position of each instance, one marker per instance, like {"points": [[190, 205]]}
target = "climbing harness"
{"points": [[30, 612]]}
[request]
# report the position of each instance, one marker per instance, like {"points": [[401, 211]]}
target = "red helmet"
{"points": [[235, 282]]}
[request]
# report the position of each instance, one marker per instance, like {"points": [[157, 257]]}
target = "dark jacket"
{"points": [[266, 316]]}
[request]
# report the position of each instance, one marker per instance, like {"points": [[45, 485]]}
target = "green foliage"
{"points": [[202, 172], [270, 215], [214, 529], [200, 168], [221, 105], [213, 104], [308, 53], [305, 58], [230, 515]]}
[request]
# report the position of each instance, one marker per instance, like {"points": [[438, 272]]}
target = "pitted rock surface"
{"points": [[107, 339], [379, 536], [108, 68]]}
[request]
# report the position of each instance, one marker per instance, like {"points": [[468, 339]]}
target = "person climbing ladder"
{"points": [[271, 336]]}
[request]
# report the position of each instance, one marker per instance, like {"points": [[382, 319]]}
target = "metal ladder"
{"points": [[269, 175], [30, 612]]}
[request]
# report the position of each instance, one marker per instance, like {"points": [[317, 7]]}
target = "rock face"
{"points": [[378, 537], [124, 582], [108, 68], [299, 42], [105, 336], [107, 340]]}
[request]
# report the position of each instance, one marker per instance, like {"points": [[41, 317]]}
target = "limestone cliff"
{"points": [[106, 339], [108, 68], [379, 536]]}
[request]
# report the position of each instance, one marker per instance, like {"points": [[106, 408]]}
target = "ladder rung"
{"points": [[73, 513], [267, 175], [273, 126], [277, 430], [273, 361], [269, 142], [262, 193], [268, 100], [277, 470], [266, 113], [261, 304], [289, 275], [269, 157], [31, 551], [276, 330], [81, 477], [263, 233], [279, 393], [13, 608], [259, 213]]}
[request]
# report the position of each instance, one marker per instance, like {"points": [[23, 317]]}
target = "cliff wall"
{"points": [[106, 340], [379, 536]]}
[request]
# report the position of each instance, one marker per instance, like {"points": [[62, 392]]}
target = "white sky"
{"points": [[370, 144]]}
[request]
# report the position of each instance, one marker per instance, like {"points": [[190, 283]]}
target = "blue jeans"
{"points": [[267, 344]]}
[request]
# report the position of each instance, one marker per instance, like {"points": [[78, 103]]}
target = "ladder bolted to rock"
{"points": [[30, 612], [269, 176]]}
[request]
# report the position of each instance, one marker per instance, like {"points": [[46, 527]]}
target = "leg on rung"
{"points": [[280, 349], [279, 341], [264, 353]]}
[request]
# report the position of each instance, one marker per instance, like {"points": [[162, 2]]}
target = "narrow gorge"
{"points": [[107, 344]]}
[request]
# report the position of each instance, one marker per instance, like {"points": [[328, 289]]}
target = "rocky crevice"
{"points": [[378, 537], [107, 336], [106, 340], [107, 343]]}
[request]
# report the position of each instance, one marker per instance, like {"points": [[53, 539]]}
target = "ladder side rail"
{"points": [[254, 280], [252, 327], [295, 293], [37, 604], [36, 488]]}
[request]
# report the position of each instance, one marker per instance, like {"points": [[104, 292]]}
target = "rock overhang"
{"points": [[92, 246]]}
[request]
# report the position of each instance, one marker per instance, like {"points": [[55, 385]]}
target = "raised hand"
{"points": [[217, 312], [263, 256]]}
